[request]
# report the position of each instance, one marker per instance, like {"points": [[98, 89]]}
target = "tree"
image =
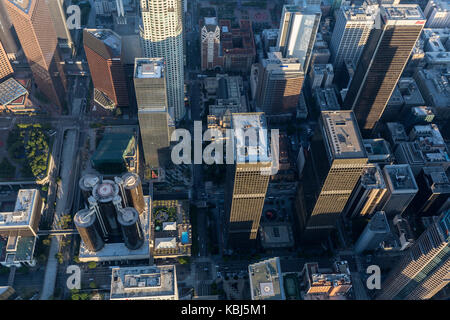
{"points": [[92, 265], [183, 260], [92, 285]]}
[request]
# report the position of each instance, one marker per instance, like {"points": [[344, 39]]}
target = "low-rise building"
{"points": [[266, 280], [144, 283]]}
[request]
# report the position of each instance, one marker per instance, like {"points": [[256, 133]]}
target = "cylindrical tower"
{"points": [[104, 194], [87, 184], [86, 224], [131, 228], [132, 194]]}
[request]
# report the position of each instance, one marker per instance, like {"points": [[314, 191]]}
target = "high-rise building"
{"points": [[396, 30], [434, 190], [376, 230], [40, 45], [247, 178], [5, 66], [57, 12], [350, 34], [437, 13], [210, 44], [162, 37], [103, 49], [402, 188], [8, 35], [280, 81], [298, 29], [368, 193], [151, 98], [339, 159], [424, 268]]}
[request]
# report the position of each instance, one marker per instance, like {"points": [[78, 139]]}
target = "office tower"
{"points": [[434, 190], [388, 48], [339, 159], [5, 66], [151, 98], [247, 178], [162, 37], [437, 13], [298, 29], [350, 34], [321, 75], [8, 35], [368, 193], [262, 286], [210, 44], [424, 268], [375, 232], [58, 14], [280, 81], [103, 49], [40, 45], [402, 188]]}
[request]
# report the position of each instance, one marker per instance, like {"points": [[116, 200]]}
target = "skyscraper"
{"points": [[5, 66], [339, 159], [162, 37], [8, 35], [437, 13], [247, 179], [280, 81], [151, 97], [210, 44], [57, 12], [298, 29], [396, 30], [374, 233], [424, 268], [103, 49], [40, 45], [350, 34]]}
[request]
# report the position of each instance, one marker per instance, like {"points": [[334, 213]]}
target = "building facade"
{"points": [[382, 62], [153, 112], [298, 29], [103, 49], [162, 37], [247, 179], [40, 45], [339, 157], [424, 268]]}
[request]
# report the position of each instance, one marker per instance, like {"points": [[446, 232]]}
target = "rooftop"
{"points": [[343, 134], [266, 280], [118, 251], [251, 137], [372, 178], [11, 90], [326, 99], [358, 13], [146, 282], [437, 179], [149, 68], [402, 12], [377, 150], [111, 40], [400, 178], [23, 210], [23, 5]]}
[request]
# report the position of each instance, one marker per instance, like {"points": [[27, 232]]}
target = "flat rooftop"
{"points": [[146, 282], [23, 210], [11, 90], [437, 179], [402, 12], [251, 137], [266, 280], [343, 135], [400, 178], [149, 68], [358, 13], [372, 178], [111, 39]]}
